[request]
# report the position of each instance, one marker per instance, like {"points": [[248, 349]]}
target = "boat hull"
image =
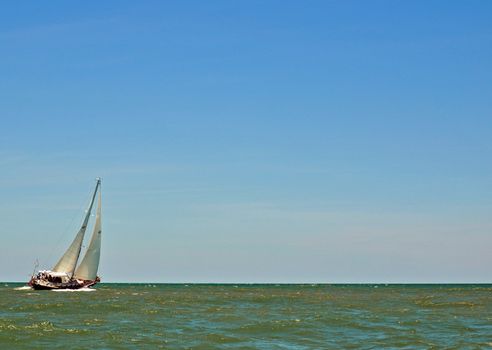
{"points": [[41, 284]]}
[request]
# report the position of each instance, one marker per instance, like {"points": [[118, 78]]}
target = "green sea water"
{"points": [[167, 316]]}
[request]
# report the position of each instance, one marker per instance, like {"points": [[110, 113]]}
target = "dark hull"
{"points": [[40, 284]]}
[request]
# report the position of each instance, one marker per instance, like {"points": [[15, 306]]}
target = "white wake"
{"points": [[75, 290]]}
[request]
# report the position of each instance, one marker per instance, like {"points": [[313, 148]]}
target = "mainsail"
{"points": [[69, 260], [87, 270]]}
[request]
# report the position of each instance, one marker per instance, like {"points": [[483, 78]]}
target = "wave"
{"points": [[23, 288], [75, 290]]}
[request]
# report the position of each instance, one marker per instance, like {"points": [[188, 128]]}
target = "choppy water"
{"points": [[132, 316]]}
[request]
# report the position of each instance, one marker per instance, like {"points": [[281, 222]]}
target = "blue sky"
{"points": [[250, 141]]}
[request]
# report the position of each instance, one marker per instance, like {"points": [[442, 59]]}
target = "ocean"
{"points": [[214, 316]]}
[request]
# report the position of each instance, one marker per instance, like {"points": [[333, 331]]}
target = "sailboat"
{"points": [[66, 274]]}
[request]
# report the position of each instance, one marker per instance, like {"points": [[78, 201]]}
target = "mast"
{"points": [[68, 261]]}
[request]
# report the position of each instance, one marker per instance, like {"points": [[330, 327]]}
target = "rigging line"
{"points": [[56, 246]]}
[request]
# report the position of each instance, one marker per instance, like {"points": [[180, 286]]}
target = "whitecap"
{"points": [[75, 290], [23, 288]]}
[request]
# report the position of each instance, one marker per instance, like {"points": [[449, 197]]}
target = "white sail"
{"points": [[69, 260], [87, 270]]}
